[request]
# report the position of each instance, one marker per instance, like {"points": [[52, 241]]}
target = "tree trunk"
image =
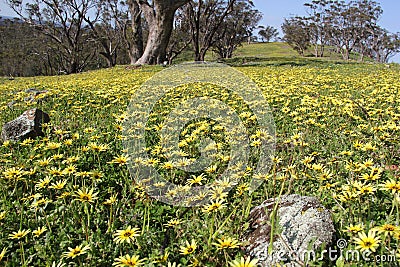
{"points": [[159, 33], [160, 17], [345, 53], [362, 56], [385, 58], [200, 55], [136, 50], [230, 52], [111, 58], [211, 23], [73, 68], [196, 46], [316, 50]]}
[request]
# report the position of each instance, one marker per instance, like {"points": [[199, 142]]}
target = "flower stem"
{"points": [[22, 253], [273, 219], [211, 229]]}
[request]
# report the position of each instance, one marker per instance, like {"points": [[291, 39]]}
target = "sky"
{"points": [[275, 11]]}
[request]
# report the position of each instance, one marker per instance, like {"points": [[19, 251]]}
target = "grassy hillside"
{"points": [[266, 50], [68, 197], [255, 50], [279, 53]]}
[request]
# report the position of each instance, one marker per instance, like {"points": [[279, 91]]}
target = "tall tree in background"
{"points": [[267, 33], [63, 22], [105, 32], [317, 23], [236, 28], [296, 34], [180, 37], [159, 15], [369, 12], [206, 17], [349, 26], [125, 18], [352, 22], [383, 45], [135, 47]]}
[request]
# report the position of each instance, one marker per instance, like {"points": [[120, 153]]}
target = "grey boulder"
{"points": [[28, 125], [305, 227]]}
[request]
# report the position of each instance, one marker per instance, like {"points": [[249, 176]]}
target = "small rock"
{"points": [[34, 93], [305, 226], [11, 104], [28, 125], [31, 90], [30, 98]]}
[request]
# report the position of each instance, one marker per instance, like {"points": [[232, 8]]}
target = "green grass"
{"points": [[280, 53], [266, 50], [273, 53]]}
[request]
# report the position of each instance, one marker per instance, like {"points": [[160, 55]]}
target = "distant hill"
{"points": [[3, 19], [251, 51], [266, 50], [278, 53]]}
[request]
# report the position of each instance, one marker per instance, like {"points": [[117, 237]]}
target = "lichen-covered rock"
{"points": [[28, 125], [304, 227]]}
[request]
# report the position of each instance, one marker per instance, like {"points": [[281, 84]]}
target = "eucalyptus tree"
{"points": [[64, 22]]}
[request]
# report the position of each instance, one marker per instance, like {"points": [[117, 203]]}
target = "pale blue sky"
{"points": [[276, 10]]}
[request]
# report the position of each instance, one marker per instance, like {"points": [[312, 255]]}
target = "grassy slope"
{"points": [[279, 53], [266, 50], [255, 50]]}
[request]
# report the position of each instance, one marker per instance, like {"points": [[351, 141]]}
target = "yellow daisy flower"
{"points": [[128, 261], [20, 234], [120, 160], [225, 243], [387, 229], [244, 263], [189, 248], [214, 206], [58, 185], [367, 242], [173, 222], [75, 252], [111, 200], [391, 185], [126, 235], [39, 231], [2, 215], [86, 196], [355, 228]]}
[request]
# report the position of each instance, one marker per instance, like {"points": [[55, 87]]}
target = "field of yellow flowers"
{"points": [[67, 199]]}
